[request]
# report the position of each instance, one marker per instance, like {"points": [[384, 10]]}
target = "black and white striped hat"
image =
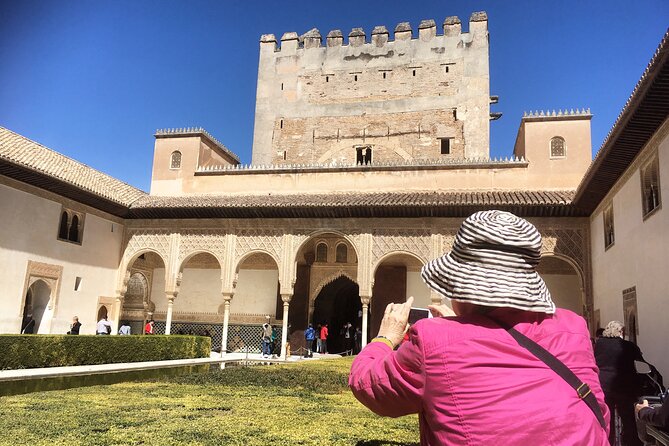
{"points": [[493, 263]]}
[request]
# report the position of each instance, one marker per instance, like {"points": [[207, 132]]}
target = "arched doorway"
{"points": [[563, 281], [338, 303], [320, 260], [36, 307], [103, 312], [397, 276], [146, 288]]}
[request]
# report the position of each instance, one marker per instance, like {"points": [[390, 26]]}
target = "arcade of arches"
{"points": [[226, 283]]}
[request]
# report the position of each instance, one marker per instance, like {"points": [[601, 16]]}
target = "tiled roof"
{"points": [[24, 160], [338, 205]]}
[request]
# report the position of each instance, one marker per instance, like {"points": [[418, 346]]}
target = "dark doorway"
{"points": [[337, 304]]}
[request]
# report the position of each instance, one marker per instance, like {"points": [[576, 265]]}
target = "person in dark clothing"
{"points": [[74, 328], [655, 416], [28, 326], [621, 384]]}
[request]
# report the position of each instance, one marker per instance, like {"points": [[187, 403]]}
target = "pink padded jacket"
{"points": [[472, 384]]}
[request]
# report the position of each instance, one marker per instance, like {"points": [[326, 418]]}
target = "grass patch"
{"points": [[301, 404]]}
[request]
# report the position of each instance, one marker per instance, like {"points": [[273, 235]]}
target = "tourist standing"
{"points": [[75, 326], [125, 329], [103, 327], [348, 338], [324, 338], [148, 328], [309, 336], [477, 378], [319, 347], [358, 339], [615, 358], [266, 341]]}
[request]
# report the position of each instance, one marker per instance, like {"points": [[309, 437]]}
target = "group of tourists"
{"points": [[350, 339], [504, 366]]}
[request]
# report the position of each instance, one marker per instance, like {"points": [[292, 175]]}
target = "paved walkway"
{"points": [[81, 370]]}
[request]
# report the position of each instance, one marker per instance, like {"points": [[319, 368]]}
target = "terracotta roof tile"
{"points": [[30, 155]]}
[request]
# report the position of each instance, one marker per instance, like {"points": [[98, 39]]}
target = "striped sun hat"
{"points": [[493, 263]]}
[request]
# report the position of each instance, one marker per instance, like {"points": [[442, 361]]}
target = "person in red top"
{"points": [[324, 339], [148, 328]]}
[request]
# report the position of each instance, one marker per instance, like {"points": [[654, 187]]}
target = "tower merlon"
{"points": [[335, 38], [478, 23], [268, 42], [427, 30], [312, 38], [403, 31], [452, 26], [356, 37], [289, 42], [379, 35]]}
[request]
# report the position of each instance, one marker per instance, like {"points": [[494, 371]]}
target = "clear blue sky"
{"points": [[94, 79]]}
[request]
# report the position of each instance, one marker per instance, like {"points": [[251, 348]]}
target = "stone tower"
{"points": [[424, 96]]}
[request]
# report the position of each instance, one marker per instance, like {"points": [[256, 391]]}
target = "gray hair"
{"points": [[614, 329]]}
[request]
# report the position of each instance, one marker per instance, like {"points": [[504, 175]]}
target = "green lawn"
{"points": [[307, 403]]}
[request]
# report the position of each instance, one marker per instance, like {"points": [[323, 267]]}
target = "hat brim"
{"points": [[488, 286]]}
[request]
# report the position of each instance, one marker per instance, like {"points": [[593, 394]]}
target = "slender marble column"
{"points": [[118, 307], [168, 319], [284, 332], [226, 321], [365, 312]]}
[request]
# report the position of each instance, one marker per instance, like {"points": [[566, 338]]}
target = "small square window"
{"points": [[445, 146]]}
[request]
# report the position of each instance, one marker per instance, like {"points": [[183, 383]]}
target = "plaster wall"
{"points": [[417, 288], [256, 292], [377, 81], [482, 178], [200, 291], [29, 233], [565, 291], [534, 139], [639, 256]]}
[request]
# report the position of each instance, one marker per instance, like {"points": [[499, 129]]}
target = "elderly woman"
{"points": [[621, 384], [468, 376]]}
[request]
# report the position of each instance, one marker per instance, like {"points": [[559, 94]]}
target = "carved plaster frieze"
{"points": [[147, 240], [320, 277], [267, 240], [198, 241], [415, 241]]}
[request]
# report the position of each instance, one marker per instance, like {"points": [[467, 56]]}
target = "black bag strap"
{"points": [[582, 389]]}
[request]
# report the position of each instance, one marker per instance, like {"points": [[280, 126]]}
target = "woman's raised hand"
{"points": [[395, 321]]}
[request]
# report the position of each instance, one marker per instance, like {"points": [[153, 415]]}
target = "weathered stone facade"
{"points": [[398, 97]]}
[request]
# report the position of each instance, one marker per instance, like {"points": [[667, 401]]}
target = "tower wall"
{"points": [[319, 101]]}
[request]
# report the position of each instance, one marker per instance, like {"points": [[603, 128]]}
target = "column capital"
{"points": [[365, 300], [227, 296], [171, 295], [286, 298]]}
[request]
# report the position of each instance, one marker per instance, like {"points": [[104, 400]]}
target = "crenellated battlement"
{"points": [[379, 36], [552, 114], [194, 131], [407, 92]]}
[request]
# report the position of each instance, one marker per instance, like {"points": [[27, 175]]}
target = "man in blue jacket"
{"points": [[309, 336]]}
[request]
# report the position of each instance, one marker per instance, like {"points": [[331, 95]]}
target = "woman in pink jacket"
{"points": [[468, 376]]}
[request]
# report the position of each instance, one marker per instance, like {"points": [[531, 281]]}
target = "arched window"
{"points": [[175, 162], [342, 253], [74, 229], [62, 229], [322, 252], [557, 147]]}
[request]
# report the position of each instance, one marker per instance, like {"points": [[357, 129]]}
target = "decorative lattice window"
{"points": [[342, 253], [175, 161], [321, 252], [558, 148], [71, 226], [609, 234], [650, 187]]}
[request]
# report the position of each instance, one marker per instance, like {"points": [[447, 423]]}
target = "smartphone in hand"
{"points": [[416, 314]]}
